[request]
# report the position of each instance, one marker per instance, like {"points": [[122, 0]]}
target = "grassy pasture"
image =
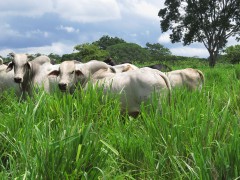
{"points": [[83, 136]]}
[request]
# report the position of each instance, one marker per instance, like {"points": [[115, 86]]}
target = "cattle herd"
{"points": [[133, 84]]}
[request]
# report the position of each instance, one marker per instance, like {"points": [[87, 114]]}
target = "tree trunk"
{"points": [[212, 59]]}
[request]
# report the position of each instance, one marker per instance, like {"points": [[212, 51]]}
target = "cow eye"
{"points": [[72, 72]]}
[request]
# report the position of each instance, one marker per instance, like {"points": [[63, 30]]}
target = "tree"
{"points": [[210, 22], [72, 56], [233, 54], [55, 57], [157, 51], [125, 52], [107, 41], [90, 51]]}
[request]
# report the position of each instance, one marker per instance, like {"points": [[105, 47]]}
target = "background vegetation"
{"points": [[210, 22], [121, 51]]}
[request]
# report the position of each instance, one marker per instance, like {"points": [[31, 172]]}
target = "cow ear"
{"points": [[10, 67], [77, 62], [29, 65], [113, 70], [78, 73], [12, 54], [30, 57], [54, 73], [127, 68]]}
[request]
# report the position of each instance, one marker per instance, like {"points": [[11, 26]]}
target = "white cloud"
{"points": [[232, 41], [30, 8], [35, 33], [73, 10], [190, 51], [147, 9], [56, 48], [5, 52], [164, 38], [147, 32], [87, 11], [82, 10], [46, 34], [68, 29], [195, 49], [133, 34], [6, 30]]}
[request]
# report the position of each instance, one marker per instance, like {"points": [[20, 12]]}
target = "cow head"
{"points": [[21, 66], [68, 74]]}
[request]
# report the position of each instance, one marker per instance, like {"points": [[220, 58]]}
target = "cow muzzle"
{"points": [[18, 80], [62, 86]]}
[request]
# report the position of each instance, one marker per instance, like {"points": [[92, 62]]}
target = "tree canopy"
{"points": [[210, 22], [90, 51], [106, 41], [157, 51], [118, 49], [233, 54], [128, 52]]}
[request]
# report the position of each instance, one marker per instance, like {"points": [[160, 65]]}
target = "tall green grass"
{"points": [[84, 136]]}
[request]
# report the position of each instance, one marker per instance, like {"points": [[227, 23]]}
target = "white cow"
{"points": [[134, 86], [191, 78], [6, 80], [72, 73], [31, 73], [124, 67]]}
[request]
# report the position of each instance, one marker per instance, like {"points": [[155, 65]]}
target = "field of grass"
{"points": [[84, 136]]}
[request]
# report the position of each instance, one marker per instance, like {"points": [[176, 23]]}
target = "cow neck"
{"points": [[84, 81], [93, 69], [34, 70], [86, 70], [26, 84]]}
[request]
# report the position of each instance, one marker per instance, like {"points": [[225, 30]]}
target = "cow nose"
{"points": [[18, 79], [62, 86]]}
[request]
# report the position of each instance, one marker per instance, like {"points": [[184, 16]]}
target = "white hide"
{"points": [[124, 67], [33, 73], [191, 78], [6, 80], [134, 86], [71, 73]]}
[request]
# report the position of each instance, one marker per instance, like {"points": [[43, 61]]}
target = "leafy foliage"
{"points": [[106, 41], [72, 56], [128, 52], [56, 57], [157, 51], [90, 51], [233, 54], [210, 22]]}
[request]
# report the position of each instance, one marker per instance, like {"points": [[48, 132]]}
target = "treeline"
{"points": [[121, 51]]}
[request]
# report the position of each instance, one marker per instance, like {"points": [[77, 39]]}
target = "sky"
{"points": [[56, 26]]}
